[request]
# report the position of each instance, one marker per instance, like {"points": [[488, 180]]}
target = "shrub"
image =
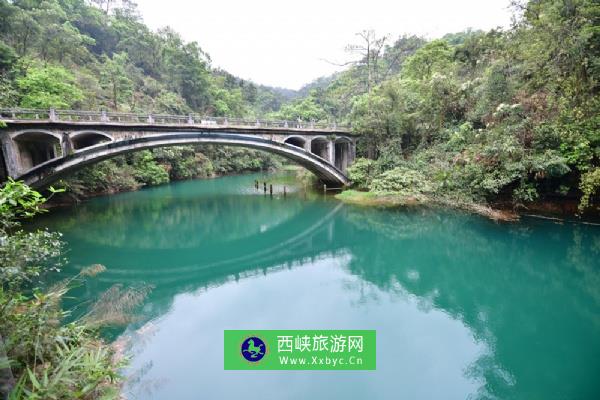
{"points": [[402, 180], [590, 182], [147, 171], [361, 172], [48, 359]]}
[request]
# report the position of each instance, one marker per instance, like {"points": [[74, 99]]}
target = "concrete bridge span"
{"points": [[41, 150]]}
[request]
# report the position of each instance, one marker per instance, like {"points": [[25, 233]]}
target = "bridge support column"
{"points": [[9, 151], [332, 151], [352, 153], [66, 145]]}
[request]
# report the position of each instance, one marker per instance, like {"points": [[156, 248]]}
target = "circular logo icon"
{"points": [[253, 349]]}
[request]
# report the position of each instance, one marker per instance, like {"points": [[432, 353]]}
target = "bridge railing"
{"points": [[52, 115]]}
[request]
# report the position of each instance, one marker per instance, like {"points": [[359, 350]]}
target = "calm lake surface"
{"points": [[463, 307]]}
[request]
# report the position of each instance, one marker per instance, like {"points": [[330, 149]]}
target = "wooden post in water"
{"points": [[271, 190], [265, 187], [284, 193]]}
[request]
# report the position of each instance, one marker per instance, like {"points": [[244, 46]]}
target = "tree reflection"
{"points": [[525, 289]]}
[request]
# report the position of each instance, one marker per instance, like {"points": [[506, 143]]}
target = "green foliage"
{"points": [[109, 176], [361, 172], [171, 103], [306, 109], [49, 360], [505, 114], [590, 182], [230, 160], [184, 162], [147, 171], [17, 201], [53, 361], [117, 62], [72, 54], [402, 180], [492, 116], [434, 57], [7, 57], [49, 86], [114, 78]]}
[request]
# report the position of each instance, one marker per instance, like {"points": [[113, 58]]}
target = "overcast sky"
{"points": [[285, 43]]}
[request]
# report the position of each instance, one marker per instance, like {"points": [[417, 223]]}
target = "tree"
{"points": [[306, 110], [50, 86], [58, 39], [394, 56], [114, 78], [185, 69], [370, 50], [435, 56]]}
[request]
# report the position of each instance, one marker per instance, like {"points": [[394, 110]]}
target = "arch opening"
{"points": [[320, 147], [295, 141], [35, 148], [88, 139]]}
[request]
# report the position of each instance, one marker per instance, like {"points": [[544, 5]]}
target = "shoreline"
{"points": [[68, 202], [499, 214]]}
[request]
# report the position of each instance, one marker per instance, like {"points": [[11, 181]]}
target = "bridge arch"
{"points": [[295, 140], [50, 171], [320, 146], [36, 146], [88, 138]]}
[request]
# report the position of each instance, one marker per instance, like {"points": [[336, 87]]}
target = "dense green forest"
{"points": [[74, 54], [505, 116], [70, 54]]}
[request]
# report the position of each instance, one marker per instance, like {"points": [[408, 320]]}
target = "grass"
{"points": [[371, 199]]}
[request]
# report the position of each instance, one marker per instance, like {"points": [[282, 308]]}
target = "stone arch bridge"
{"points": [[40, 146]]}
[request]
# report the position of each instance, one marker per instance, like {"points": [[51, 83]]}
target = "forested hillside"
{"points": [[74, 54], [507, 115]]}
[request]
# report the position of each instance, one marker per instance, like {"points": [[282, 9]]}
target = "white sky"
{"points": [[284, 43]]}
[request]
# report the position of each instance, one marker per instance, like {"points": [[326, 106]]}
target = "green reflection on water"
{"points": [[464, 307]]}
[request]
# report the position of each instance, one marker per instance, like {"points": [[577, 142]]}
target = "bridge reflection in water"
{"points": [[510, 311]]}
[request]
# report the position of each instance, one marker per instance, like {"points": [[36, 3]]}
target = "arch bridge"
{"points": [[40, 146]]}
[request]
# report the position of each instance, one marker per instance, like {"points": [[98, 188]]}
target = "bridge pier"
{"points": [[344, 153], [9, 155], [331, 157]]}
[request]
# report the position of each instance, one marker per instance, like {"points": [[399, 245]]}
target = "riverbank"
{"points": [[497, 212], [396, 200]]}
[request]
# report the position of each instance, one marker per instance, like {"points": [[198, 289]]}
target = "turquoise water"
{"points": [[463, 307]]}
